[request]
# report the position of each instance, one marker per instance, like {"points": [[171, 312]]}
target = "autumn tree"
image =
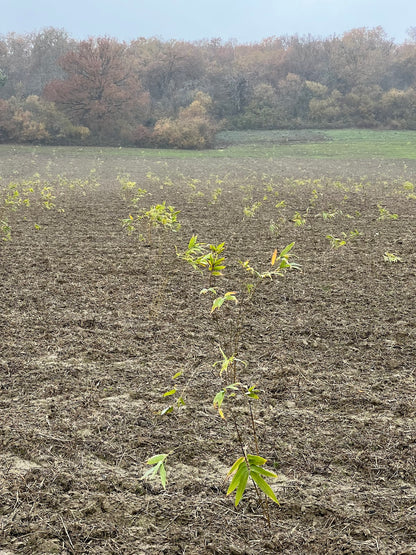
{"points": [[226, 80], [192, 129], [397, 109], [361, 57], [34, 120], [101, 91], [262, 111], [146, 92], [15, 52], [308, 57], [170, 71], [48, 46], [30, 61], [403, 70]]}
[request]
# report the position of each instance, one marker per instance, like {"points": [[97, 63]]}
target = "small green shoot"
{"points": [[384, 214], [249, 211], [250, 466], [219, 301], [314, 197], [6, 230], [203, 255], [249, 392], [212, 261], [298, 220], [158, 462], [353, 234], [158, 216], [228, 364], [273, 228], [391, 257], [180, 402], [194, 252], [409, 186], [136, 193], [220, 396], [330, 215], [216, 195], [336, 242], [139, 194], [281, 261], [163, 216], [128, 223]]}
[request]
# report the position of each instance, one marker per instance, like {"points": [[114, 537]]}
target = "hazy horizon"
{"points": [[244, 21]]}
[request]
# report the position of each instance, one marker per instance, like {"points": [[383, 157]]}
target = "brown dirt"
{"points": [[95, 324]]}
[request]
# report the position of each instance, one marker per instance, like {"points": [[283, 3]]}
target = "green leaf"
{"points": [[234, 386], [151, 471], [177, 375], [217, 303], [252, 395], [286, 250], [171, 392], [218, 399], [252, 392], [192, 242], [210, 290], [235, 466], [256, 460], [162, 474], [264, 486], [241, 485], [157, 458], [238, 476], [258, 470]]}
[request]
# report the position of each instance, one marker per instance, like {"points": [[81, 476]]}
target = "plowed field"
{"points": [[95, 323]]}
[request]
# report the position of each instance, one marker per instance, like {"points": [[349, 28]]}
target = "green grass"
{"points": [[269, 137], [336, 144], [340, 143], [364, 143]]}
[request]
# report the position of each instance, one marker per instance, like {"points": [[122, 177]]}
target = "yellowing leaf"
{"points": [[274, 256]]}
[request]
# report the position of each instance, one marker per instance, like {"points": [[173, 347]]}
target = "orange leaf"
{"points": [[274, 256]]}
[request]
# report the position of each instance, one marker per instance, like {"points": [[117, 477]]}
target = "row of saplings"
{"points": [[233, 394]]}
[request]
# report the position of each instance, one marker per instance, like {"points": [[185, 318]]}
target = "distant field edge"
{"points": [[298, 143], [322, 143]]}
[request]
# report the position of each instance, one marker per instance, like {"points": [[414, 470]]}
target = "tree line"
{"points": [[151, 92]]}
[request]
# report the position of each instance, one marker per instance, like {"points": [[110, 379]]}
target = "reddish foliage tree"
{"points": [[102, 90]]}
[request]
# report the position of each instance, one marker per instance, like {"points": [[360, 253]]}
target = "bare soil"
{"points": [[94, 324]]}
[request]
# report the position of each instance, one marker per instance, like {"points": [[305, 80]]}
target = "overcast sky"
{"points": [[243, 20]]}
